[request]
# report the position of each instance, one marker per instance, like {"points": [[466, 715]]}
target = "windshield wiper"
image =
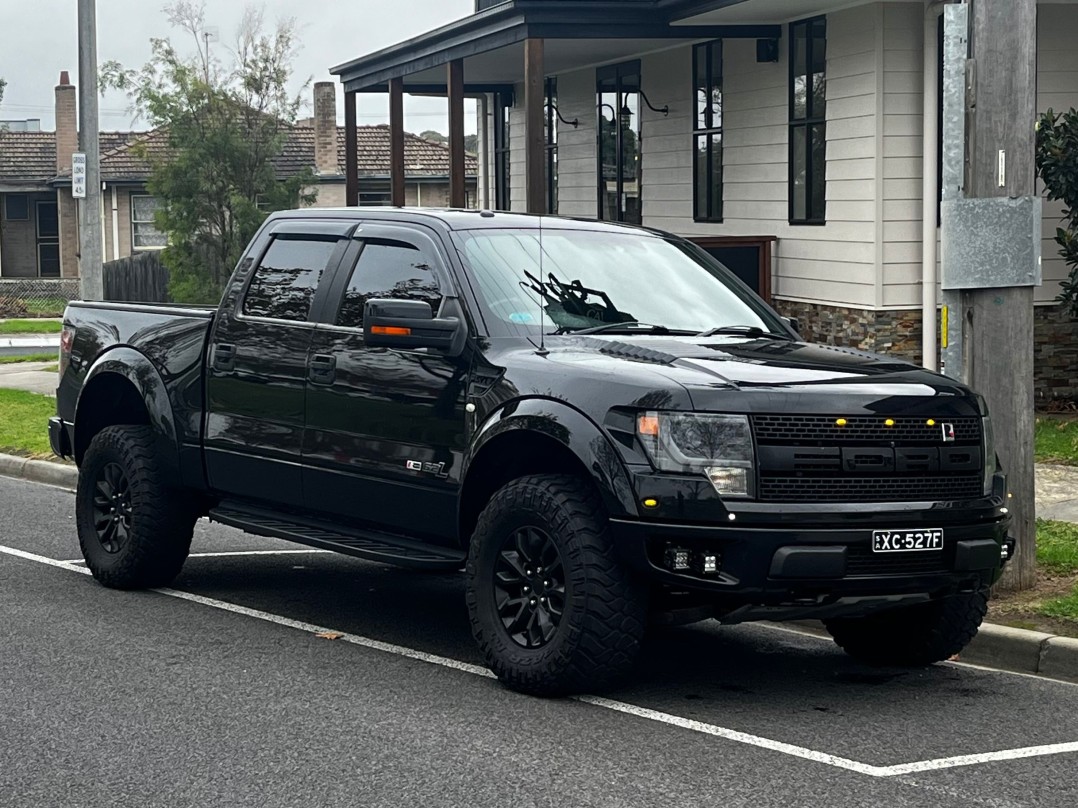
{"points": [[744, 331], [631, 327]]}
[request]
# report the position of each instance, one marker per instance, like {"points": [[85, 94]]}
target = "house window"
{"points": [[618, 102], [375, 197], [144, 232], [707, 132], [808, 121], [503, 105], [17, 208], [551, 130]]}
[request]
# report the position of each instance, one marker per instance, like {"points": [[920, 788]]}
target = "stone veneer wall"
{"points": [[898, 333]]}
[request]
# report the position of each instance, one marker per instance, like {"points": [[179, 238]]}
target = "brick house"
{"points": [[38, 221], [786, 137]]}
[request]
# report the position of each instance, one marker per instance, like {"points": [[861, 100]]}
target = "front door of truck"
{"points": [[257, 366], [385, 428]]}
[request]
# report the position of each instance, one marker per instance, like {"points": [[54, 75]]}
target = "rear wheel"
{"points": [[134, 531], [552, 609], [913, 636]]}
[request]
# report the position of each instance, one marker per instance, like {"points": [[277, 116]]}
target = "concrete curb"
{"points": [[39, 471], [1000, 647]]}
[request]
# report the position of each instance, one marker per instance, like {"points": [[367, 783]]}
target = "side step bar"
{"points": [[366, 544]]}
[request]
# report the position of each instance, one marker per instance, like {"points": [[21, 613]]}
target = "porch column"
{"points": [[351, 151], [458, 195], [534, 145], [396, 142]]}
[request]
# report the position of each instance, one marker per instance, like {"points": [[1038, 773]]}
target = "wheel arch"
{"points": [[538, 436], [124, 388]]}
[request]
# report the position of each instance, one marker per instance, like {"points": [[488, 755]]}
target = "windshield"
{"points": [[588, 279]]}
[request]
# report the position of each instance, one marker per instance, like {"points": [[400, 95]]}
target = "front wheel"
{"points": [[551, 608], [912, 636], [134, 531]]}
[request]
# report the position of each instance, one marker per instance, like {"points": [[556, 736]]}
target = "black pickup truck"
{"points": [[599, 424]]}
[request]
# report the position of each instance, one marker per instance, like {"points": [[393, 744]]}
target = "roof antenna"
{"points": [[542, 309]]}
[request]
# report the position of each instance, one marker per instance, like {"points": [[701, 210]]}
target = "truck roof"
{"points": [[456, 219]]}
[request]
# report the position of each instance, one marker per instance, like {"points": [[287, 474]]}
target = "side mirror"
{"points": [[410, 324], [794, 324]]}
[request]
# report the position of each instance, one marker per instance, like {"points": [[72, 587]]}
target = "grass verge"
{"points": [[1056, 440], [24, 423], [30, 327], [37, 357], [1052, 605]]}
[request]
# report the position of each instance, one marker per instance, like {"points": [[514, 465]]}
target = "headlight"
{"points": [[990, 466], [717, 446]]}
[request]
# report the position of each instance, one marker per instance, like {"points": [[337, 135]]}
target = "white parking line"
{"points": [[596, 701], [226, 554]]}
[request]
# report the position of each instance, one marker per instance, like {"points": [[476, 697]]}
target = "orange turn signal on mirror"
{"points": [[391, 330]]}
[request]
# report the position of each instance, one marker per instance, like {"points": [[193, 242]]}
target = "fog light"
{"points": [[676, 559], [729, 480], [705, 563], [1006, 552]]}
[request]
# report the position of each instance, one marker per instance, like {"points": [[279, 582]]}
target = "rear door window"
{"points": [[286, 280]]}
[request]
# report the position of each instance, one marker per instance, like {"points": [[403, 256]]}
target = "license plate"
{"points": [[906, 541]]}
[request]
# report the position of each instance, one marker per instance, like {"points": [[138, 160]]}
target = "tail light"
{"points": [[67, 340]]}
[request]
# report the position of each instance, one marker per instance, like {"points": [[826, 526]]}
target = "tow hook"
{"points": [[1006, 552]]}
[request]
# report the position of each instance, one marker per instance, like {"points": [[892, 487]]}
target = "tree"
{"points": [[3, 84], [218, 127], [434, 137], [1057, 165]]}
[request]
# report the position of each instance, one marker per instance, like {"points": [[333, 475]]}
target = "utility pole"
{"points": [[90, 238], [991, 235]]}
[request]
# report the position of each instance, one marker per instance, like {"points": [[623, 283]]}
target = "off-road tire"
{"points": [[598, 637], [161, 521], [913, 636]]}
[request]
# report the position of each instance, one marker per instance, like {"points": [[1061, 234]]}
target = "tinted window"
{"points": [[285, 282], [388, 269]]}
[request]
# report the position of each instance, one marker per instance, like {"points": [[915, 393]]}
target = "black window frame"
{"points": [[550, 110], [807, 123], [618, 73], [503, 106], [713, 212]]}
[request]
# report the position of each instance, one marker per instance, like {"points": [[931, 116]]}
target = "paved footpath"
{"points": [[219, 691], [29, 376]]}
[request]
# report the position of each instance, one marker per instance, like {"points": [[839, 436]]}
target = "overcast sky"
{"points": [[38, 39]]}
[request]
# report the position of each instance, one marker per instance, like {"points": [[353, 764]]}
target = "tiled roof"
{"points": [[30, 157], [421, 157]]}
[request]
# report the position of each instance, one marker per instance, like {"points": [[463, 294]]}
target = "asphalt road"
{"points": [[219, 692]]}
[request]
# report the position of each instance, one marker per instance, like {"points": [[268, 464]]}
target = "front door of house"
{"points": [[48, 239]]}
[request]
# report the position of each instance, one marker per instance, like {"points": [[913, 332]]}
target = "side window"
{"points": [[284, 284], [388, 269]]}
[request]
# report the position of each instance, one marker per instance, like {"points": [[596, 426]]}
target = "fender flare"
{"points": [[134, 368], [575, 431]]}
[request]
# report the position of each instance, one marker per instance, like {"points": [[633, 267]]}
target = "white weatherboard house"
{"points": [[787, 136]]}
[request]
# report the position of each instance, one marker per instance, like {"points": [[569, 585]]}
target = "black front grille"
{"points": [[896, 488], [862, 561], [814, 430]]}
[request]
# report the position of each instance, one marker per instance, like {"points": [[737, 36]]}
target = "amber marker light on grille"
{"points": [[391, 330], [840, 422], [931, 422], [648, 425], [651, 502], [889, 422]]}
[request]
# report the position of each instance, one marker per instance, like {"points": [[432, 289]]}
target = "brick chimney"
{"points": [[67, 132], [325, 129]]}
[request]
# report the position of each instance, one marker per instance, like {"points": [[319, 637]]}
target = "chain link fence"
{"points": [[36, 297]]}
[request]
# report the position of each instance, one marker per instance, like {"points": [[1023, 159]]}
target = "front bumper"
{"points": [[798, 571], [60, 437]]}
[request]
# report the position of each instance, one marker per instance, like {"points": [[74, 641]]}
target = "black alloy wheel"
{"points": [[529, 587], [112, 508]]}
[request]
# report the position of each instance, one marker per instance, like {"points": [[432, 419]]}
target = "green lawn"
{"points": [[30, 327], [1057, 553], [1056, 440], [24, 423], [37, 357], [45, 306]]}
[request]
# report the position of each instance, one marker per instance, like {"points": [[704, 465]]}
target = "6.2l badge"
{"points": [[437, 469]]}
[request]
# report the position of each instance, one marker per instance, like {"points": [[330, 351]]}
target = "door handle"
{"points": [[224, 357], [322, 369]]}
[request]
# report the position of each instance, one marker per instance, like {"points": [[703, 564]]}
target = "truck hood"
{"points": [[712, 367]]}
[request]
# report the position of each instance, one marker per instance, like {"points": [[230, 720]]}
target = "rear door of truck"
{"points": [[257, 368]]}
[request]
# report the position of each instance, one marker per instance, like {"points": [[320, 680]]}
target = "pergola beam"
{"points": [[396, 143], [534, 145], [458, 192], [351, 152]]}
